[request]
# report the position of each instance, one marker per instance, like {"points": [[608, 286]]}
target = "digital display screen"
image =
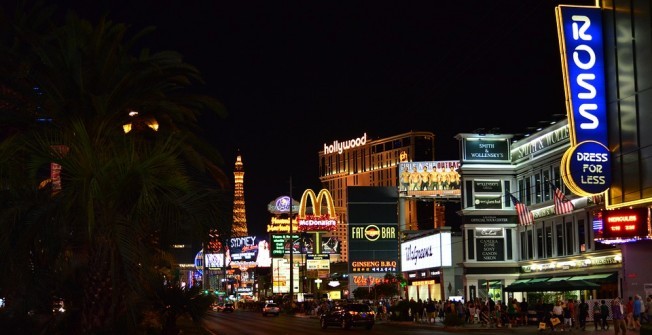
{"points": [[625, 223]]}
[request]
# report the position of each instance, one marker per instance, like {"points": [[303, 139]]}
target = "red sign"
{"points": [[625, 223]]}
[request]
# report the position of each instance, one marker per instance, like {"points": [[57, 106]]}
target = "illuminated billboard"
{"points": [[586, 165], [373, 231], [248, 252], [625, 223], [432, 251], [429, 179], [317, 221]]}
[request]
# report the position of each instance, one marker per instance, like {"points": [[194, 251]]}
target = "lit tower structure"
{"points": [[239, 216]]}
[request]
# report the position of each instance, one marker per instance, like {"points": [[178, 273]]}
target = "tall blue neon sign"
{"points": [[586, 165]]}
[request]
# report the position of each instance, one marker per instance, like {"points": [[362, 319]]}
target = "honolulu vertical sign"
{"points": [[586, 165]]}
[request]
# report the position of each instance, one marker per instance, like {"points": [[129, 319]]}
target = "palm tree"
{"points": [[101, 238]]}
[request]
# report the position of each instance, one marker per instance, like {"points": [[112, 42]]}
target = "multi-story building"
{"points": [[554, 243], [518, 238], [374, 162]]}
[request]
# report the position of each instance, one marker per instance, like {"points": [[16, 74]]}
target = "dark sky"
{"points": [[294, 75]]}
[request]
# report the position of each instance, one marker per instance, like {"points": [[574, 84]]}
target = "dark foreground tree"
{"points": [[96, 235]]}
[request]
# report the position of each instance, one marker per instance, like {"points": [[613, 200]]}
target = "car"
{"points": [[349, 315], [228, 308], [271, 308]]}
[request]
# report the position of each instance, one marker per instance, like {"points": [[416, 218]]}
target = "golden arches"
{"points": [[316, 202]]}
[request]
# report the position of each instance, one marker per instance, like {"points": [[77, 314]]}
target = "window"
{"points": [[471, 246], [528, 191], [559, 231], [540, 240], [508, 237], [548, 238], [569, 238], [523, 245], [538, 188], [581, 236], [546, 185], [529, 244]]}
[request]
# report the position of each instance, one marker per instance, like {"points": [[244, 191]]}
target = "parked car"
{"points": [[348, 316], [271, 308], [228, 308]]}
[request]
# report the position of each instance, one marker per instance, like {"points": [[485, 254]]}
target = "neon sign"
{"points": [[317, 221], [625, 223], [586, 164], [346, 145]]}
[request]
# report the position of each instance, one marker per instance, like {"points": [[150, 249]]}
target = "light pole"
{"points": [[291, 250]]}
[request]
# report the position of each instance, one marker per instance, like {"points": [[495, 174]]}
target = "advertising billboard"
{"points": [[429, 179], [625, 223], [373, 231], [248, 252], [427, 252], [317, 221]]}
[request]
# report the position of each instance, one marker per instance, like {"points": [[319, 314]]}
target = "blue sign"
{"points": [[590, 167], [587, 172]]}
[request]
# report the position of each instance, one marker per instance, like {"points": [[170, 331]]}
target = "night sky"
{"points": [[294, 75]]}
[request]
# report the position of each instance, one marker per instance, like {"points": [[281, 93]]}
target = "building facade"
{"points": [[373, 162]]}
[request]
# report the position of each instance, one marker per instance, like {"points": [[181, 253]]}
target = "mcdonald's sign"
{"points": [[317, 221]]}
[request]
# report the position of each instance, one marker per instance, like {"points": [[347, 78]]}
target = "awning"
{"points": [[548, 284], [600, 277]]}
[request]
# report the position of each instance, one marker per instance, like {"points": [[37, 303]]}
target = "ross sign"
{"points": [[427, 252], [625, 223], [490, 249], [486, 150], [586, 165], [487, 186]]}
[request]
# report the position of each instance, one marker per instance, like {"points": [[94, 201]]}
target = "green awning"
{"points": [[537, 280], [558, 279], [595, 276], [520, 281]]}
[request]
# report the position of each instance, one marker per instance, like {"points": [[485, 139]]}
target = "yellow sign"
{"points": [[317, 221]]}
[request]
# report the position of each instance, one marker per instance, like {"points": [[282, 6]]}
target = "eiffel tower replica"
{"points": [[239, 227]]}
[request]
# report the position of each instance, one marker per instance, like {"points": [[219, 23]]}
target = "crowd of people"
{"points": [[562, 315]]}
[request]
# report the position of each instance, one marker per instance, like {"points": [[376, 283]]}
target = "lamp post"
{"points": [[291, 250]]}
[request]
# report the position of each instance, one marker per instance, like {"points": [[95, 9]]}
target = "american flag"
{"points": [[598, 198], [562, 204], [525, 217]]}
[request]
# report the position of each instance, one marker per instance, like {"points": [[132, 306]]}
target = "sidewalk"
{"points": [[529, 329], [478, 327]]}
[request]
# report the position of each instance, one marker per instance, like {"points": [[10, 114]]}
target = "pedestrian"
{"points": [[638, 309], [648, 309], [618, 316], [597, 318], [604, 314], [629, 313], [583, 313]]}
